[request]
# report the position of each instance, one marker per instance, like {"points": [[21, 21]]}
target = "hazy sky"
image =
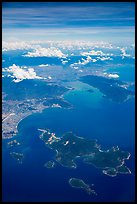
{"points": [[95, 21]]}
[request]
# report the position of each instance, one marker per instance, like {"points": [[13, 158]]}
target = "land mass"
{"points": [[69, 147], [79, 183], [111, 88], [23, 99]]}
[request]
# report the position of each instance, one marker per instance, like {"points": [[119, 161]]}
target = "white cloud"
{"points": [[21, 74], [113, 75], [93, 52], [49, 77], [94, 60], [124, 54], [80, 70], [43, 65], [64, 61], [87, 60], [45, 52], [104, 58], [84, 62], [96, 53]]}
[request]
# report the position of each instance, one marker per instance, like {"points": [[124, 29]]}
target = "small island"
{"points": [[50, 164], [79, 183], [17, 156], [13, 143]]}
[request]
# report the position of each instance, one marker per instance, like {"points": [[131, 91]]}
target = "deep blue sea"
{"points": [[92, 117]]}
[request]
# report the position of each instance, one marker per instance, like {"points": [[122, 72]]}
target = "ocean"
{"points": [[92, 116]]}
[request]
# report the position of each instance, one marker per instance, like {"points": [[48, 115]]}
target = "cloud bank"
{"points": [[87, 60], [45, 52], [20, 45], [95, 53], [64, 44]]}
